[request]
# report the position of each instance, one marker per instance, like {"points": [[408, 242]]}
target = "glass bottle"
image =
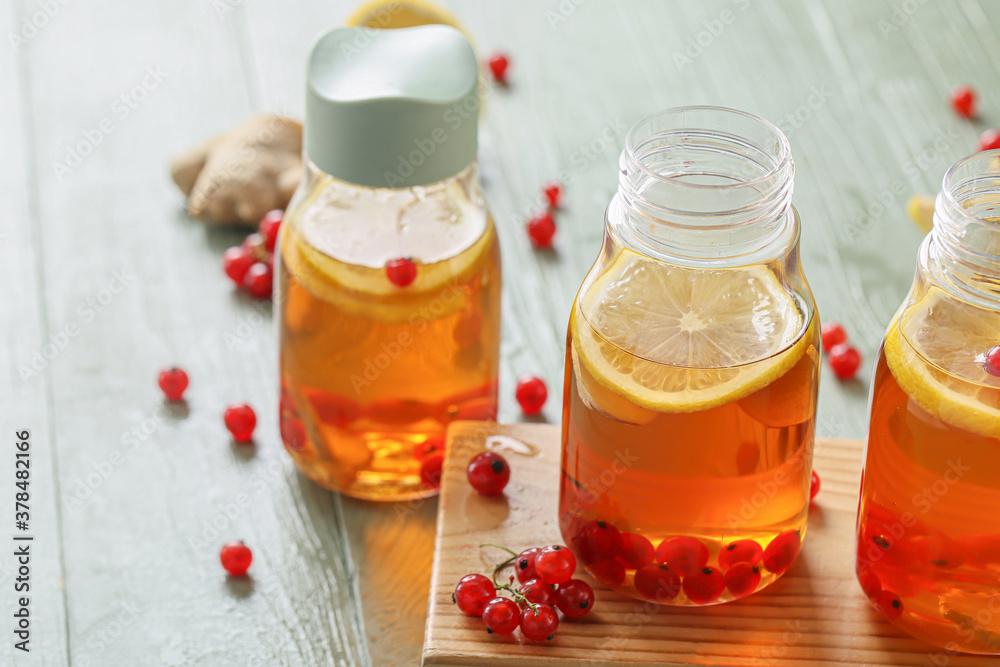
{"points": [[692, 367], [928, 539], [389, 274]]}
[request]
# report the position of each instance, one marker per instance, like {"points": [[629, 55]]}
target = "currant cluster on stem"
{"points": [[844, 359], [251, 265], [545, 586], [681, 563]]}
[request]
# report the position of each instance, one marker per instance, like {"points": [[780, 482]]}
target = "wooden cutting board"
{"points": [[814, 615]]}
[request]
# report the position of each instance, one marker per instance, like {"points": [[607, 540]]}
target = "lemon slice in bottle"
{"points": [[936, 354], [678, 339]]}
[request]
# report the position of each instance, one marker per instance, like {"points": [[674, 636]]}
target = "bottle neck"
{"points": [[705, 186], [962, 252]]}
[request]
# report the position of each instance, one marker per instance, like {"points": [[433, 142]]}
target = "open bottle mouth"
{"points": [[700, 178]]}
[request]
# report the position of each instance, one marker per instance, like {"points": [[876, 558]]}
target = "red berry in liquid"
{"points": [[269, 226], [498, 67], [430, 471], [401, 271], [637, 551], [173, 382], [601, 539], [963, 101], [814, 485], [488, 473], [293, 433], [236, 558], [541, 229], [259, 281], [684, 555], [472, 592], [608, 570], [531, 394], [575, 598], [540, 623], [539, 592], [989, 140], [657, 583], [833, 334], [432, 445], [524, 565], [240, 420], [870, 583], [236, 261], [501, 615], [555, 564], [845, 361], [742, 579], [991, 361], [704, 586], [889, 604], [553, 192], [781, 552], [740, 551]]}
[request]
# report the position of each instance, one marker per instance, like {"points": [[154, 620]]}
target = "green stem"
{"points": [[498, 546]]}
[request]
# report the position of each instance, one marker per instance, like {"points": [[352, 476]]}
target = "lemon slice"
{"points": [[392, 14], [936, 353], [677, 339]]}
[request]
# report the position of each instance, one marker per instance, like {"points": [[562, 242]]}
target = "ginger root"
{"points": [[238, 177]]}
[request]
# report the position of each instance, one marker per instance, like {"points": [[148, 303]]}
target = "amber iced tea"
{"points": [[373, 373]]}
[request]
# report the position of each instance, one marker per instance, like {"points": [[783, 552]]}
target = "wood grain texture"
{"points": [[815, 614], [859, 86]]}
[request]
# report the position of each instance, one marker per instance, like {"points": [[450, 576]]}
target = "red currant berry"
{"points": [[501, 616], [989, 140], [236, 261], [259, 281], [608, 570], [173, 382], [293, 433], [498, 67], [742, 579], [704, 585], [991, 361], [430, 471], [637, 551], [553, 192], [870, 583], [252, 243], [813, 486], [269, 226], [889, 604], [845, 361], [555, 564], [781, 552], [740, 551], [240, 420], [236, 557], [539, 623], [684, 555], [531, 394], [575, 598], [541, 229], [401, 271], [539, 592], [833, 334], [601, 539], [432, 445], [963, 101], [472, 592], [524, 565], [657, 583], [488, 473]]}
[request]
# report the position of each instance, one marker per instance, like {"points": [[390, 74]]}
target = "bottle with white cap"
{"points": [[388, 288]]}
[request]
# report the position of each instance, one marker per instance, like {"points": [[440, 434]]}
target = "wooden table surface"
{"points": [[107, 280]]}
